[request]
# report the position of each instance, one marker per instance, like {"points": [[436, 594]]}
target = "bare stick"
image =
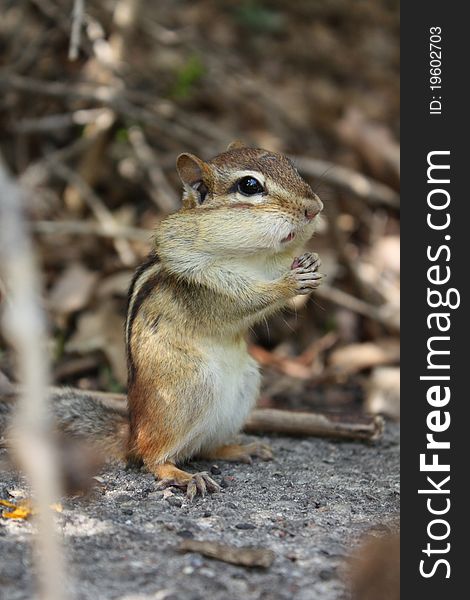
{"points": [[353, 427], [348, 180], [87, 228], [77, 21], [24, 325]]}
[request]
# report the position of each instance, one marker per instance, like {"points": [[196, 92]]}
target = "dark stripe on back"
{"points": [[150, 261]]}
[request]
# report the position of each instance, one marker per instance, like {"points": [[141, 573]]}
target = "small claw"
{"points": [[309, 260], [200, 484], [191, 489], [295, 263], [265, 452], [262, 451], [309, 273], [211, 485], [165, 483]]}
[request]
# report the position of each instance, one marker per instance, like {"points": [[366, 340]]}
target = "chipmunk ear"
{"points": [[191, 169], [196, 176], [236, 145]]}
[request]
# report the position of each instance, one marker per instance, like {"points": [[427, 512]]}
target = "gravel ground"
{"points": [[310, 505]]}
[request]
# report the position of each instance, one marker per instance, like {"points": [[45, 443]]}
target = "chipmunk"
{"points": [[231, 256]]}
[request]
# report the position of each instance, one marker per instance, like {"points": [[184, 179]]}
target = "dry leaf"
{"points": [[115, 285], [102, 330], [7, 503], [373, 141], [383, 392], [24, 509], [356, 357], [72, 290]]}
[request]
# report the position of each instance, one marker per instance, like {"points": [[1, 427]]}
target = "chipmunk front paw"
{"points": [[193, 483], [304, 271]]}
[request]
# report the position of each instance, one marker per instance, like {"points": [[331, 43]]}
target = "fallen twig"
{"points": [[288, 366], [246, 557], [355, 427]]}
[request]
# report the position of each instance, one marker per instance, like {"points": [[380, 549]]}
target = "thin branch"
{"points": [[24, 325], [77, 22]]}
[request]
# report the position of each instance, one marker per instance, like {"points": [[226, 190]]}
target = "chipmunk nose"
{"points": [[314, 207]]}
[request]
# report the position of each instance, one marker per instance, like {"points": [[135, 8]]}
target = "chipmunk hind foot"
{"points": [[194, 483], [240, 452]]}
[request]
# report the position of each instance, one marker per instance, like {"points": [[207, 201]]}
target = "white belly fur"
{"points": [[231, 380]]}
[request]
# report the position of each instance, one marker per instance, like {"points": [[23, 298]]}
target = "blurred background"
{"points": [[94, 111]]}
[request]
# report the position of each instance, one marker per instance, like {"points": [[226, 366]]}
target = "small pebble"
{"points": [[123, 498], [185, 534], [207, 572], [127, 511], [196, 561], [175, 501], [245, 526], [327, 574], [215, 470]]}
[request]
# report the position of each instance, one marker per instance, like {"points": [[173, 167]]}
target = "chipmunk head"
{"points": [[261, 193]]}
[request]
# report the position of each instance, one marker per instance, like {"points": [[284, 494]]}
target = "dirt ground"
{"points": [[310, 505]]}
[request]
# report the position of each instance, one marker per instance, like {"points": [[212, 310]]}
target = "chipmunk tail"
{"points": [[79, 417]]}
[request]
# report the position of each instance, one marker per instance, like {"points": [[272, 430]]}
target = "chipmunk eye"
{"points": [[202, 189], [249, 186]]}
